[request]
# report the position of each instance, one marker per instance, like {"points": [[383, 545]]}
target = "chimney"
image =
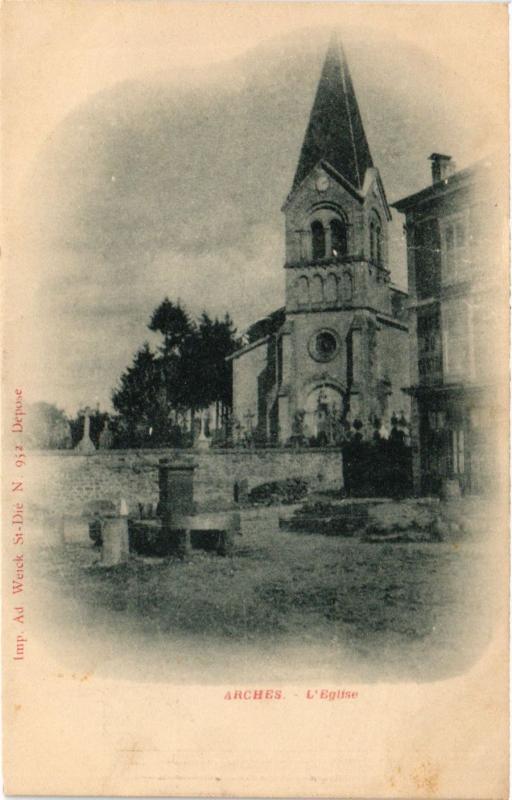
{"points": [[442, 167]]}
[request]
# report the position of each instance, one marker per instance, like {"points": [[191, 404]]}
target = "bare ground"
{"points": [[286, 606]]}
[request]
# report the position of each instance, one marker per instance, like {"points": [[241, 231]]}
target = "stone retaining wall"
{"points": [[62, 482]]}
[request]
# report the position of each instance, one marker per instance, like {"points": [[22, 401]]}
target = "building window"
{"points": [[331, 289], [346, 287], [457, 452], [338, 237], [427, 259], [429, 345], [317, 290], [303, 292], [375, 239], [436, 420], [457, 341], [318, 239], [323, 346], [454, 248]]}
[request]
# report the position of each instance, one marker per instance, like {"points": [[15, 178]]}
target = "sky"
{"points": [[170, 183]]}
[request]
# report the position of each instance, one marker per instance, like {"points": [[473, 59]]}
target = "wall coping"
{"points": [[190, 451]]}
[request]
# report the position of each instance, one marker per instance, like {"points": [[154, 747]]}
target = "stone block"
{"points": [[115, 548]]}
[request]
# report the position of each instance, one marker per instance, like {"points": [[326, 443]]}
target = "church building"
{"points": [[339, 345]]}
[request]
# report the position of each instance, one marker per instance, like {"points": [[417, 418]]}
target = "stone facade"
{"points": [[341, 345]]}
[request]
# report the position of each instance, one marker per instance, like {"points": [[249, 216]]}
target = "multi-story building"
{"points": [[457, 276]]}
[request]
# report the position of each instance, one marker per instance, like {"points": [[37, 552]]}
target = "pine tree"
{"points": [[189, 371], [216, 340], [137, 399], [178, 331]]}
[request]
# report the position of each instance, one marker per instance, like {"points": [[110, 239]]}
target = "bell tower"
{"points": [[337, 276]]}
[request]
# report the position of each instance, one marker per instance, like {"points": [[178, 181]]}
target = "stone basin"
{"points": [[206, 531]]}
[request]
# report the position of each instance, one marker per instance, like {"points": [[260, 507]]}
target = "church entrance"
{"points": [[324, 408]]}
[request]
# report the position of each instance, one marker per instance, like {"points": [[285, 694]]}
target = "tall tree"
{"points": [[189, 371], [138, 397], [178, 330], [215, 341], [173, 322]]}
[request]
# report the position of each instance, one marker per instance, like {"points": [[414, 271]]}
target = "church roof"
{"points": [[335, 132], [259, 332], [267, 325]]}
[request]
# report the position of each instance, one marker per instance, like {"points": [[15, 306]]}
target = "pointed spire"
{"points": [[335, 131]]}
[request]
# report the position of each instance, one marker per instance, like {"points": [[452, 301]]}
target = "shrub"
{"points": [[287, 491]]}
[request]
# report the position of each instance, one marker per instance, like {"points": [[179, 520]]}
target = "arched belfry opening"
{"points": [[329, 237], [317, 240], [338, 231]]}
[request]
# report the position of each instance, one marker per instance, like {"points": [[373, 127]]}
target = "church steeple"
{"points": [[335, 132]]}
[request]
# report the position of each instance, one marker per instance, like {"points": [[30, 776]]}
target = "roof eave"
{"points": [[434, 191]]}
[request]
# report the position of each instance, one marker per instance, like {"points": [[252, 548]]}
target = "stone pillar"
{"points": [[286, 383], [363, 336], [328, 241], [241, 491], [286, 348], [285, 427], [115, 543], [357, 358], [176, 484]]}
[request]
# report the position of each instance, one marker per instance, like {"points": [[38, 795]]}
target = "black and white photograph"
{"points": [[256, 363]]}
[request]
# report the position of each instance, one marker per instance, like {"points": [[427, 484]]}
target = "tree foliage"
{"points": [[47, 427], [175, 325], [188, 371], [209, 376]]}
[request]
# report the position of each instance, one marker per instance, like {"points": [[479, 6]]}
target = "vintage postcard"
{"points": [[255, 399]]}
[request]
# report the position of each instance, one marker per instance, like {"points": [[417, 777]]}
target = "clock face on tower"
{"points": [[322, 183]]}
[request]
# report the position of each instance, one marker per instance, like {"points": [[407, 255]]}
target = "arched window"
{"points": [[338, 237], [317, 289], [331, 289], [347, 287], [303, 291], [318, 239]]}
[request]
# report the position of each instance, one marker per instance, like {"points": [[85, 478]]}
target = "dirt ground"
{"points": [[289, 606]]}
